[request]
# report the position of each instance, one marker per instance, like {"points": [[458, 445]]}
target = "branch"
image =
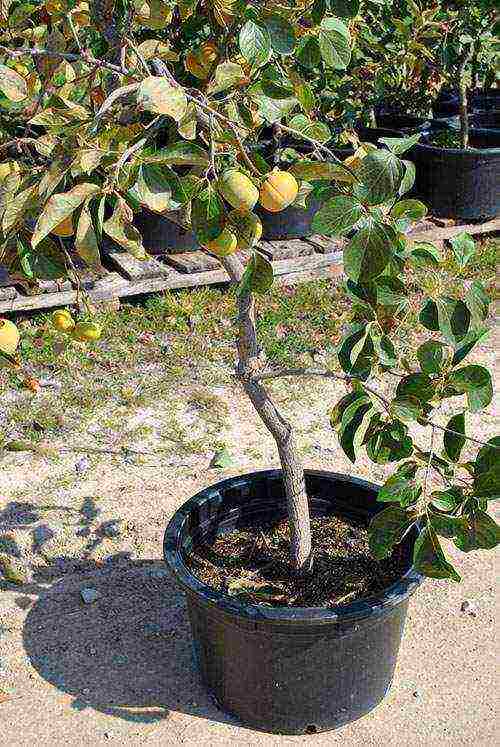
{"points": [[325, 373], [71, 57]]}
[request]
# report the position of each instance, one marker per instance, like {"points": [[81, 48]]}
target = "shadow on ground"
{"points": [[128, 653]]}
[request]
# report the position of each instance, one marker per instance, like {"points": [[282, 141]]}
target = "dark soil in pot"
{"points": [[459, 183], [293, 670], [253, 562]]}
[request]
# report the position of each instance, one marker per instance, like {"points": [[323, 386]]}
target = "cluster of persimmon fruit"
{"points": [[243, 228]]}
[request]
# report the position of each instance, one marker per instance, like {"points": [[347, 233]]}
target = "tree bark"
{"points": [[462, 93], [250, 363]]}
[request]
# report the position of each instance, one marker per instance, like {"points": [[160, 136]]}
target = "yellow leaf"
{"points": [[155, 94], [59, 207], [12, 85]]}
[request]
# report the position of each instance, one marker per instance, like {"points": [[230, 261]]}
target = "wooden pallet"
{"points": [[121, 276]]}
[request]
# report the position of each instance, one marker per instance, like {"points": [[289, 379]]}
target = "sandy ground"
{"points": [[120, 669]]}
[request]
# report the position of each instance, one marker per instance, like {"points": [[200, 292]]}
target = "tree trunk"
{"points": [[250, 363], [462, 93]]}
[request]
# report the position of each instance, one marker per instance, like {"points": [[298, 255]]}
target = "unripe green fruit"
{"points": [[87, 332], [63, 321], [238, 190]]}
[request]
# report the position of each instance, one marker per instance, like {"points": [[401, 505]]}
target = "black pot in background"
{"points": [[405, 123], [460, 183], [161, 236], [288, 670], [485, 99], [290, 223], [489, 118]]}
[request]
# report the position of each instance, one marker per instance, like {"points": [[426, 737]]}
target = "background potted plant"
{"points": [[296, 643], [457, 168]]}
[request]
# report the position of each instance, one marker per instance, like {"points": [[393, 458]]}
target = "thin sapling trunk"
{"points": [[462, 94], [250, 363]]}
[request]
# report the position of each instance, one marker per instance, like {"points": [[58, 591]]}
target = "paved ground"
{"points": [[119, 670]]}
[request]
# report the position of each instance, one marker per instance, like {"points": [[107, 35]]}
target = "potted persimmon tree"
{"points": [[297, 581], [458, 168]]}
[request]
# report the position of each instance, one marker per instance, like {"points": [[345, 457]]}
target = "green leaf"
{"points": [[258, 276], [155, 94], [399, 145], [477, 301], [276, 86], [363, 359], [389, 444], [384, 349], [431, 356], [59, 207], [447, 500], [281, 34], [448, 315], [305, 169], [368, 253], [345, 8], [207, 215], [429, 558], [418, 385], [153, 188], [454, 444], [406, 408], [308, 127], [487, 470], [338, 409], [120, 228], [308, 52], [425, 254], [463, 248], [475, 382], [180, 154], [352, 419], [272, 110], [408, 179], [255, 43], [86, 243], [381, 173], [335, 43], [481, 532], [227, 75], [12, 85], [390, 291], [411, 209], [468, 343], [401, 486], [387, 529], [337, 216], [446, 526]]}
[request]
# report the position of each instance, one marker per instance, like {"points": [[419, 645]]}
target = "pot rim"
{"points": [[373, 607], [463, 151]]}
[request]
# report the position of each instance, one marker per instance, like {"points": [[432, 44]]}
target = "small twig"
{"points": [[152, 126]]}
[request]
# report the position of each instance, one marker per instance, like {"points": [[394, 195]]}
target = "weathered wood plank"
{"points": [[441, 234], [130, 267], [43, 301], [192, 262], [42, 287], [324, 244], [6, 294], [285, 249], [315, 261]]}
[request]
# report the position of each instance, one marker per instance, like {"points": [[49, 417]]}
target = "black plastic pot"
{"points": [[288, 670], [290, 223], [486, 99], [460, 183], [162, 236], [489, 118], [405, 123]]}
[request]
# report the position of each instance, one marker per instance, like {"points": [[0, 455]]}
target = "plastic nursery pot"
{"points": [[458, 183], [405, 123], [486, 99], [290, 223], [161, 236], [489, 118], [288, 670]]}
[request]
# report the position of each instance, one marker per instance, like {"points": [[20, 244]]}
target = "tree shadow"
{"points": [[127, 654]]}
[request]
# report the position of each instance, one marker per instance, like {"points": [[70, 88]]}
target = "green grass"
{"points": [[179, 341]]}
